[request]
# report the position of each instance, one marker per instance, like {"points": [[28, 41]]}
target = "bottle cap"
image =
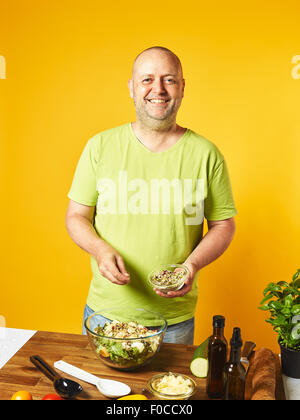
{"points": [[236, 340], [218, 321]]}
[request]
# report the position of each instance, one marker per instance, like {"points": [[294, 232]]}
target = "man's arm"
{"points": [[79, 224], [214, 243]]}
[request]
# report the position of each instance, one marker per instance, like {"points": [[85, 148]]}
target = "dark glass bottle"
{"points": [[217, 356], [234, 371]]}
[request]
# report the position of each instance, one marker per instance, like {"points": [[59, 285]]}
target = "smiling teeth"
{"points": [[157, 101]]}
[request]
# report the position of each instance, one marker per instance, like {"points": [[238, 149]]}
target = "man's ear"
{"points": [[130, 87]]}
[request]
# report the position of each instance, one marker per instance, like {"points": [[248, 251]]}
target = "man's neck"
{"points": [[157, 140]]}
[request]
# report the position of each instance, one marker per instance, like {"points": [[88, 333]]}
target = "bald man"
{"points": [[139, 197]]}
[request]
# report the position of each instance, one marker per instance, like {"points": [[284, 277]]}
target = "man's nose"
{"points": [[158, 86]]}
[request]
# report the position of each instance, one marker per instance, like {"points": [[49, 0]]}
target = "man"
{"points": [[139, 196]]}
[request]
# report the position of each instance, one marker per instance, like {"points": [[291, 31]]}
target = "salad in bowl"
{"points": [[125, 342]]}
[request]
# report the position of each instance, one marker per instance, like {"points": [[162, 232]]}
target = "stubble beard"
{"points": [[162, 123]]}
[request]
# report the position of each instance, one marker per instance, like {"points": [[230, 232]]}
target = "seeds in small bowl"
{"points": [[168, 278]]}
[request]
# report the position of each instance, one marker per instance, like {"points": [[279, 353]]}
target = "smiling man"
{"points": [[156, 99], [139, 197]]}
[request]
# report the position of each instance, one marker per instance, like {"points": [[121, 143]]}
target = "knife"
{"points": [[246, 353]]}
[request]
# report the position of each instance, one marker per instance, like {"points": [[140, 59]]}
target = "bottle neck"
{"points": [[235, 354], [219, 332]]}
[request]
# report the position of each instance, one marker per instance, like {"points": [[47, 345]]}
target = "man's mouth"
{"points": [[157, 101]]}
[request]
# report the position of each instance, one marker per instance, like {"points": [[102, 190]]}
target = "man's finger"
{"points": [[114, 270], [107, 273], [171, 294], [121, 266]]}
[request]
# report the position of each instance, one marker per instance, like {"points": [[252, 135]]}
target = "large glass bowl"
{"points": [[119, 351]]}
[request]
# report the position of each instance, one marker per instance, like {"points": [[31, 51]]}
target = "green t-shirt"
{"points": [[150, 208]]}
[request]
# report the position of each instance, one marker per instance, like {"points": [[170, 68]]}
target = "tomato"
{"points": [[52, 397], [22, 395]]}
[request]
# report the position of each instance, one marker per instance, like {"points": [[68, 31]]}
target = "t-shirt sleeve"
{"points": [[219, 204], [84, 189]]}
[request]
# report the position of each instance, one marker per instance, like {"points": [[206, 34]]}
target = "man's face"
{"points": [[157, 88]]}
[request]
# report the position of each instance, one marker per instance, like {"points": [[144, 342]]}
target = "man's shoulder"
{"points": [[108, 134], [112, 131], [202, 143]]}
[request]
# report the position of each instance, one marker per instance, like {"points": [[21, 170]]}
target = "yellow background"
{"points": [[68, 63]]}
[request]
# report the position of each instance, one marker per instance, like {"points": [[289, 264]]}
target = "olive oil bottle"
{"points": [[234, 371], [217, 356]]}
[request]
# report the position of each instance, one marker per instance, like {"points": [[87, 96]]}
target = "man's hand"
{"points": [[187, 284], [111, 265], [214, 243]]}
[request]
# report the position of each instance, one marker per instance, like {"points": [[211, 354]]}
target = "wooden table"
{"points": [[20, 374]]}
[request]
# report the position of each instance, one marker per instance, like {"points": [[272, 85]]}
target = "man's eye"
{"points": [[146, 80], [170, 80]]}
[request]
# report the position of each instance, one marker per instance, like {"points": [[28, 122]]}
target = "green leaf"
{"points": [[296, 275], [274, 304], [295, 309], [296, 284], [267, 289], [286, 311], [288, 300], [279, 295], [264, 307], [280, 320], [290, 290], [267, 297], [282, 283], [272, 287]]}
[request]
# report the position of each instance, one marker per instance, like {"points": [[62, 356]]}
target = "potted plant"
{"points": [[282, 299]]}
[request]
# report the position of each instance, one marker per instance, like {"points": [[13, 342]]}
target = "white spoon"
{"points": [[108, 387]]}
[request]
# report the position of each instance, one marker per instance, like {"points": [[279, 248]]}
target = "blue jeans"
{"points": [[182, 333]]}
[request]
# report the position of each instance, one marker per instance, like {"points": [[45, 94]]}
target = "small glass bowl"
{"points": [[157, 284], [160, 395]]}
